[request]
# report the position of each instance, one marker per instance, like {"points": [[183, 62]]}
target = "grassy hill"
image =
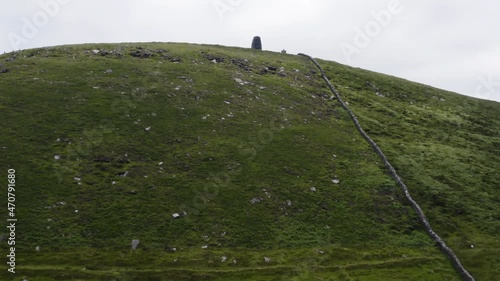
{"points": [[235, 164]]}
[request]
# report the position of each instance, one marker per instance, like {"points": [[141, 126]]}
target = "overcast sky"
{"points": [[449, 44]]}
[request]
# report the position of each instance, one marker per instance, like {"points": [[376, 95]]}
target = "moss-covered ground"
{"points": [[110, 141]]}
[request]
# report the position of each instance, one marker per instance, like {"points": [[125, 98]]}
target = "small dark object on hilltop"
{"points": [[257, 43], [4, 70]]}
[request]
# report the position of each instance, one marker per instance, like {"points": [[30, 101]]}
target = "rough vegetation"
{"points": [[232, 164]]}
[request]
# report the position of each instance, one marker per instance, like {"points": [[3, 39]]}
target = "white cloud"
{"points": [[447, 44]]}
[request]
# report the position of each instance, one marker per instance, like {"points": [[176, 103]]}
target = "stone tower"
{"points": [[256, 43]]}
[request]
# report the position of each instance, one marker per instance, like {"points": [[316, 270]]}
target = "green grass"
{"points": [[224, 145]]}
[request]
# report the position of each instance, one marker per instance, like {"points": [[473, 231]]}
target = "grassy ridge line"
{"points": [[446, 250]]}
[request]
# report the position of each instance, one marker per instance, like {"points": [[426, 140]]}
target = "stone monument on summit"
{"points": [[256, 43]]}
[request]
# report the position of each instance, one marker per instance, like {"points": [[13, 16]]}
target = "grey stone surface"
{"points": [[135, 243]]}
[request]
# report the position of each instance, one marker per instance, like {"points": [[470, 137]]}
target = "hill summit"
{"points": [[165, 161]]}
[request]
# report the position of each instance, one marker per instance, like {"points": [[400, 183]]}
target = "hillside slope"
{"points": [[232, 164]]}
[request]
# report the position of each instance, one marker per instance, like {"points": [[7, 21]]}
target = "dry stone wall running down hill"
{"points": [[442, 245]]}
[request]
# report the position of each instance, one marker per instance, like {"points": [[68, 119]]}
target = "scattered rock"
{"points": [[239, 81], [57, 157], [289, 203], [124, 159], [135, 243], [96, 51], [313, 189], [102, 159], [372, 85], [204, 247], [335, 181], [141, 53], [12, 58], [147, 129], [176, 215], [4, 70], [214, 59], [122, 174], [266, 259], [187, 79], [37, 248], [132, 192], [255, 200], [241, 63], [109, 71], [223, 259]]}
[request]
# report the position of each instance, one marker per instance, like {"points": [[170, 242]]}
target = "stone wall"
{"points": [[442, 245]]}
